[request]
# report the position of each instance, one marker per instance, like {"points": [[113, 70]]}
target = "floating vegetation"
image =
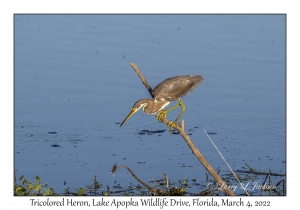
{"points": [[211, 133], [52, 132], [159, 187], [55, 145], [143, 132]]}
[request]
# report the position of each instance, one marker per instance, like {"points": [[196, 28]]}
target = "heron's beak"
{"points": [[134, 110]]}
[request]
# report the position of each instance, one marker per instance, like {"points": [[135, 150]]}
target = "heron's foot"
{"points": [[161, 115], [171, 124]]}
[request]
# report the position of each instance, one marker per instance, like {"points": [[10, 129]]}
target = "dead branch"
{"points": [[115, 167], [260, 173], [135, 68], [190, 143]]}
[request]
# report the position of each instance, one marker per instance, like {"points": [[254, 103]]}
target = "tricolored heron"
{"points": [[171, 89]]}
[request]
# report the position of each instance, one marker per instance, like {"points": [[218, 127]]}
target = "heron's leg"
{"points": [[182, 110], [162, 114], [171, 124]]}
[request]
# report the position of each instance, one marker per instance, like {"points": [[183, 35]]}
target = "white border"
{"points": [[8, 8]]}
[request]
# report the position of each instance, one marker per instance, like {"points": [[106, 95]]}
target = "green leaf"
{"points": [[21, 192], [38, 188], [24, 181], [31, 186], [183, 190], [19, 188], [21, 178], [46, 192], [37, 178], [81, 191]]}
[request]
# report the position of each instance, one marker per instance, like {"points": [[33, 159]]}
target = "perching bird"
{"points": [[171, 89]]}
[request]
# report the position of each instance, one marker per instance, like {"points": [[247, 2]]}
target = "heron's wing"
{"points": [[176, 87]]}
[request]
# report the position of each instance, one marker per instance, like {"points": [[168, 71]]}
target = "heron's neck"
{"points": [[152, 106]]}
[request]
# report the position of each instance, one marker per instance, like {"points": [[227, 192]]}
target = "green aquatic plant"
{"points": [[31, 188]]}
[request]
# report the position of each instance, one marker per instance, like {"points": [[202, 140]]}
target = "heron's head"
{"points": [[139, 104]]}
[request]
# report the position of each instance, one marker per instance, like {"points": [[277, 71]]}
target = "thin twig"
{"points": [[260, 173], [263, 188], [167, 182], [227, 163], [134, 66], [115, 167]]}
